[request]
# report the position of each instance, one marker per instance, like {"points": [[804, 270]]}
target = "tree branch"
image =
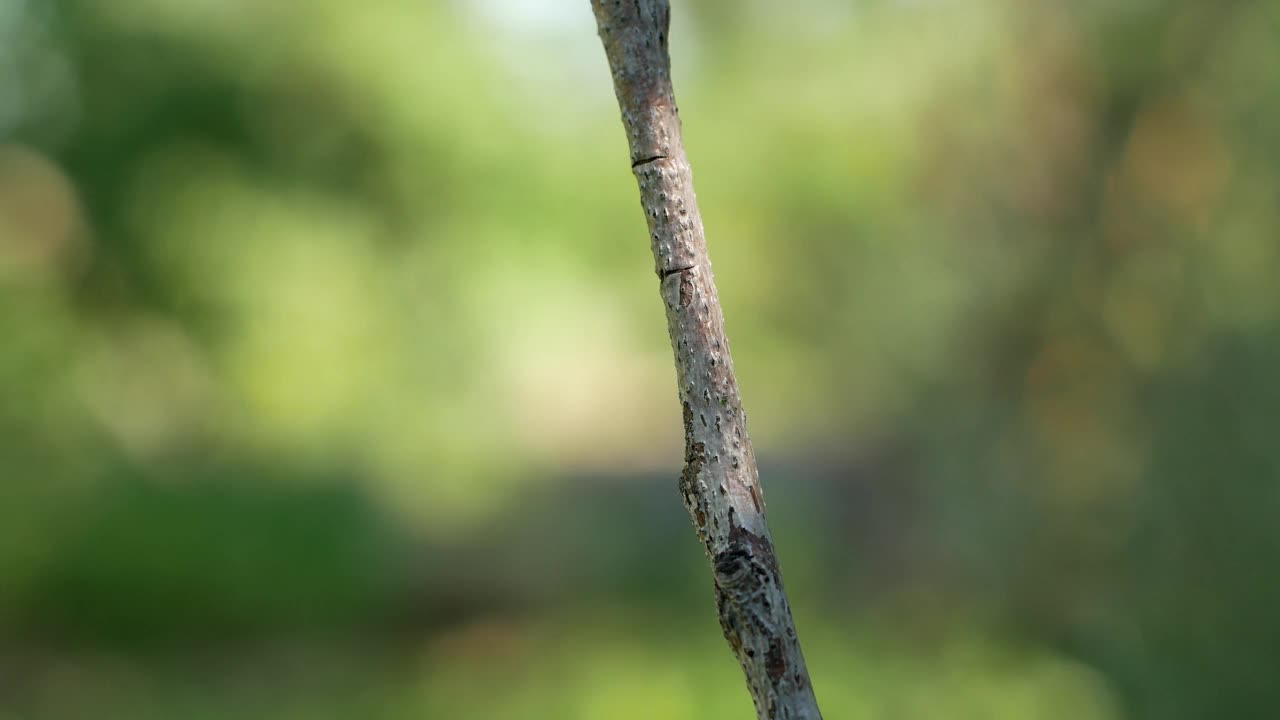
{"points": [[720, 483]]}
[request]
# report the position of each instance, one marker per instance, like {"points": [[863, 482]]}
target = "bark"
{"points": [[720, 484]]}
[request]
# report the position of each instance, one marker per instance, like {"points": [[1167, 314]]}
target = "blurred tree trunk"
{"points": [[720, 483]]}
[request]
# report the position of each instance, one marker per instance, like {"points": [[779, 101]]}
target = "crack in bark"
{"points": [[664, 274], [646, 161]]}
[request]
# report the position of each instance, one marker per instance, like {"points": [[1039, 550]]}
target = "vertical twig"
{"points": [[720, 483]]}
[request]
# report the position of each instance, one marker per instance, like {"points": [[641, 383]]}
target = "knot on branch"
{"points": [[747, 567], [733, 569]]}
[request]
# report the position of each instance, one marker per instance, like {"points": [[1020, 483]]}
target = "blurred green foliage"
{"points": [[333, 382]]}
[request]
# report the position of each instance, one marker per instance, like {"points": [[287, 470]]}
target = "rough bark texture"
{"points": [[720, 483]]}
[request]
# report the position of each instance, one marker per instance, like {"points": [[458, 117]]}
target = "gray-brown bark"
{"points": [[720, 483]]}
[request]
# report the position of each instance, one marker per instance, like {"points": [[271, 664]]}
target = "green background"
{"points": [[334, 381]]}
